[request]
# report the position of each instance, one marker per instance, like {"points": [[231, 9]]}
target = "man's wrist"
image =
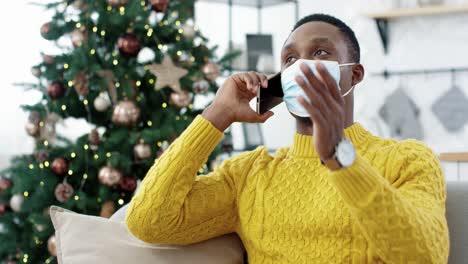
{"points": [[217, 118]]}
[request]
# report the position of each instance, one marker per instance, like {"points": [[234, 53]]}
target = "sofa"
{"points": [[457, 217]]}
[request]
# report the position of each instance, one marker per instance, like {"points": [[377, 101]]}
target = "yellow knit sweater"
{"points": [[388, 207]]}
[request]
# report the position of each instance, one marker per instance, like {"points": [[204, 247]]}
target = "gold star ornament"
{"points": [[167, 74]]}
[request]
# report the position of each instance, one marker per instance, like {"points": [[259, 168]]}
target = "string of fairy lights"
{"points": [[115, 62]]}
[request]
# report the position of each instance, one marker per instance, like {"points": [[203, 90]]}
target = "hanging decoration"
{"points": [[167, 74]]}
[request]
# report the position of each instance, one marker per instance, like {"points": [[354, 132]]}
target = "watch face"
{"points": [[345, 153]]}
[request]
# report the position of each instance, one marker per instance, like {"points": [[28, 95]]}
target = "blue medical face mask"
{"points": [[292, 89]]}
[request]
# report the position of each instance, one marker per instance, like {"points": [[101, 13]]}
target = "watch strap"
{"points": [[332, 163]]}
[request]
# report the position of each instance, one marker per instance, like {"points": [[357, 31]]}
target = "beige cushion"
{"points": [[91, 239]]}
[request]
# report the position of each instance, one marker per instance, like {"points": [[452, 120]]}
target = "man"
{"points": [[338, 195]]}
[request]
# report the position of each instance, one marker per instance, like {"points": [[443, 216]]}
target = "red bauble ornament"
{"points": [[45, 30], [129, 45], [93, 137], [5, 184], [128, 184], [49, 59], [56, 90], [3, 208], [59, 166], [159, 5]]}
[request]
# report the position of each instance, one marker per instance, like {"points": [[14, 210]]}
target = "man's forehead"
{"points": [[314, 32]]}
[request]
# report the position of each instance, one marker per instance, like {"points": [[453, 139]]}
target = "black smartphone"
{"points": [[269, 97]]}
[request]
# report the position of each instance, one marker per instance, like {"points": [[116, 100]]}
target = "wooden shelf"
{"points": [[419, 11], [454, 156], [382, 18]]}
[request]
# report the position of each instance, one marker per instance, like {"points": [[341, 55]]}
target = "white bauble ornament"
{"points": [[16, 202], [145, 55], [101, 103]]}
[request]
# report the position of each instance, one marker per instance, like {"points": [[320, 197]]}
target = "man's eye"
{"points": [[321, 52], [290, 59]]}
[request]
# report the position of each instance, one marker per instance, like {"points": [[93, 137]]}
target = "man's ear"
{"points": [[358, 74]]}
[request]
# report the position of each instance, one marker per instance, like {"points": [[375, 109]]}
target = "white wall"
{"points": [[415, 43]]}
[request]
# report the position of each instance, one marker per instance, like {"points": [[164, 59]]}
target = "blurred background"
{"points": [[422, 47]]}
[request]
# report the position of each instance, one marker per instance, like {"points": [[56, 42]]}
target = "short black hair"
{"points": [[348, 33]]}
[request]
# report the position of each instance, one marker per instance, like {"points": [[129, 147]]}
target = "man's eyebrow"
{"points": [[322, 40], [315, 40], [289, 46]]}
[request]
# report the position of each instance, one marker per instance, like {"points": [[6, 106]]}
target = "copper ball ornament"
{"points": [[109, 176], [32, 129], [129, 45], [52, 246], [159, 5], [181, 100], [78, 37], [36, 71], [211, 71], [117, 3], [142, 151], [59, 166], [201, 86], [81, 84], [188, 30], [63, 192], [56, 90], [126, 113], [107, 209]]}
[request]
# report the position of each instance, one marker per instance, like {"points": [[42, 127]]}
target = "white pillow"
{"points": [[90, 239]]}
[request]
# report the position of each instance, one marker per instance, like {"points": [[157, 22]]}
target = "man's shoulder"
{"points": [[407, 148]]}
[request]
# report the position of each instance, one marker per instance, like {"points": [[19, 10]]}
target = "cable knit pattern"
{"points": [[388, 207]]}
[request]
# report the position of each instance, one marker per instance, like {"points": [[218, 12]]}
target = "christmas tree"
{"points": [[133, 70]]}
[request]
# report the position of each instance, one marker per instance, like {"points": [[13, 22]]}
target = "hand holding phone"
{"points": [[270, 97]]}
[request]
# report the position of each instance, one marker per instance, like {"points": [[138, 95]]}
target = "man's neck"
{"points": [[307, 128]]}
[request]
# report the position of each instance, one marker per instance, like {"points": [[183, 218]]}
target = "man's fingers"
{"points": [[254, 117], [330, 83], [315, 98], [317, 116], [316, 83], [264, 80]]}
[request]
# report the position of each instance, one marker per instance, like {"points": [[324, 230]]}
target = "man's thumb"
{"points": [[265, 116]]}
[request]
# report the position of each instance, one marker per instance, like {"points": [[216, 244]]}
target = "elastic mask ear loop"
{"points": [[352, 88], [349, 91]]}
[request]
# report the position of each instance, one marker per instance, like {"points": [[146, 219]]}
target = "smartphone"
{"points": [[269, 97]]}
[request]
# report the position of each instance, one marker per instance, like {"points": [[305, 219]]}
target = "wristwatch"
{"points": [[344, 156]]}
